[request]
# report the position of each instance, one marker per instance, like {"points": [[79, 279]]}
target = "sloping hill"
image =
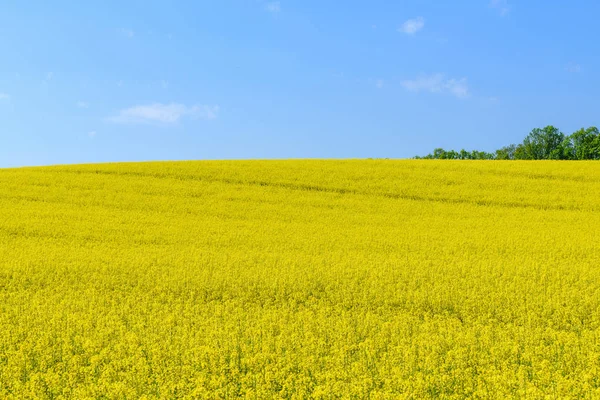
{"points": [[300, 278]]}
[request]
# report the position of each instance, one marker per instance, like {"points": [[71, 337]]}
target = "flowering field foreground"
{"points": [[295, 279]]}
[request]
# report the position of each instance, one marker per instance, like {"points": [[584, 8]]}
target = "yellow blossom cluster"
{"points": [[300, 279]]}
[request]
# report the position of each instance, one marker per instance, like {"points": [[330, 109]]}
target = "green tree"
{"points": [[586, 144], [452, 155], [544, 144], [481, 155], [439, 153], [568, 152], [506, 152]]}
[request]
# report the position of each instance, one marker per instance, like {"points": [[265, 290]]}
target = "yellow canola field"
{"points": [[301, 279]]}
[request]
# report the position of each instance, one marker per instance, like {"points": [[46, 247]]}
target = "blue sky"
{"points": [[99, 81]]}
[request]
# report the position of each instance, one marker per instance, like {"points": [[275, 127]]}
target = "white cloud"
{"points": [[126, 32], [429, 83], [92, 134], [437, 83], [273, 7], [573, 68], [164, 113], [412, 26], [501, 5], [82, 104], [4, 96], [458, 87]]}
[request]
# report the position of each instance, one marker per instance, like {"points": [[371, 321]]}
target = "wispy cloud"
{"points": [[4, 96], [273, 7], [501, 5], [412, 26], [437, 83], [82, 104], [430, 83], [573, 68], [47, 79], [92, 134], [164, 113], [126, 32], [458, 87], [379, 83]]}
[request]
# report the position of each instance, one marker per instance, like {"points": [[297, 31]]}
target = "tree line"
{"points": [[547, 143]]}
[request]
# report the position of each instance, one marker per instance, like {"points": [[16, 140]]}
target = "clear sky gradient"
{"points": [[97, 81]]}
